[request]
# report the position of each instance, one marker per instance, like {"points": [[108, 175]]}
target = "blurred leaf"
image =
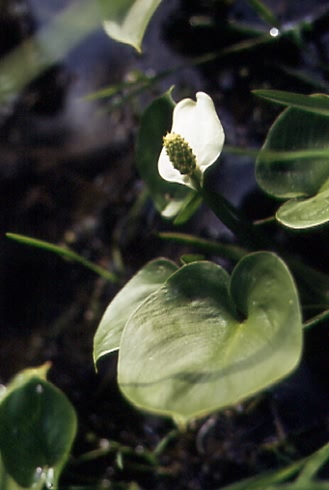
{"points": [[203, 341], [264, 12], [170, 199], [8, 483], [127, 20], [302, 175], [48, 46], [313, 285], [318, 104], [187, 208], [63, 252], [132, 295], [304, 470], [37, 429]]}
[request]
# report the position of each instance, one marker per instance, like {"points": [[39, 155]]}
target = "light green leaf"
{"points": [[294, 163], [144, 283], [305, 213], [127, 20], [37, 428], [318, 104], [169, 198], [204, 341]]}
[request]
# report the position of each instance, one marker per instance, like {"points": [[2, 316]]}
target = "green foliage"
{"points": [[193, 339], [144, 283], [264, 12], [28, 60], [294, 164], [188, 349], [303, 473], [63, 252], [318, 104], [37, 429]]}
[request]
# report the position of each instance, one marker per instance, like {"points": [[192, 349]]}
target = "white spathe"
{"points": [[197, 122], [127, 20]]}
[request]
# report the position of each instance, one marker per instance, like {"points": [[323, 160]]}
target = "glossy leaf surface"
{"points": [[144, 283], [294, 163], [37, 428], [127, 20], [204, 340]]}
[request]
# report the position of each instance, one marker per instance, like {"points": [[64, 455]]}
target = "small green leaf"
{"points": [[144, 283], [318, 104], [305, 213], [294, 163], [37, 429], [169, 198], [204, 341], [127, 20]]}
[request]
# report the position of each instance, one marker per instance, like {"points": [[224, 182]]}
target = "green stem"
{"points": [[162, 446], [312, 322], [234, 221], [226, 250]]}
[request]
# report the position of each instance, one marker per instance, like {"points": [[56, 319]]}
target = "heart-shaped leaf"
{"points": [[37, 428], [204, 341], [145, 282], [294, 163], [126, 20]]}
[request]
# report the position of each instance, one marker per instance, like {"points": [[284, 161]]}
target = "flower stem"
{"points": [[235, 221]]}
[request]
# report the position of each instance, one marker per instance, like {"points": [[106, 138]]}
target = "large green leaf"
{"points": [[204, 341], [145, 282], [294, 163], [169, 198], [37, 428], [127, 20]]}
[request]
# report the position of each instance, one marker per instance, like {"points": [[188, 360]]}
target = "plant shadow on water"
{"points": [[67, 175]]}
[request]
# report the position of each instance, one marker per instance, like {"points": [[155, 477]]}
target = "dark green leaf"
{"points": [[37, 428]]}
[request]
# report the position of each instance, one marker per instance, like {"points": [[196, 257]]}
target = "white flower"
{"points": [[198, 132]]}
